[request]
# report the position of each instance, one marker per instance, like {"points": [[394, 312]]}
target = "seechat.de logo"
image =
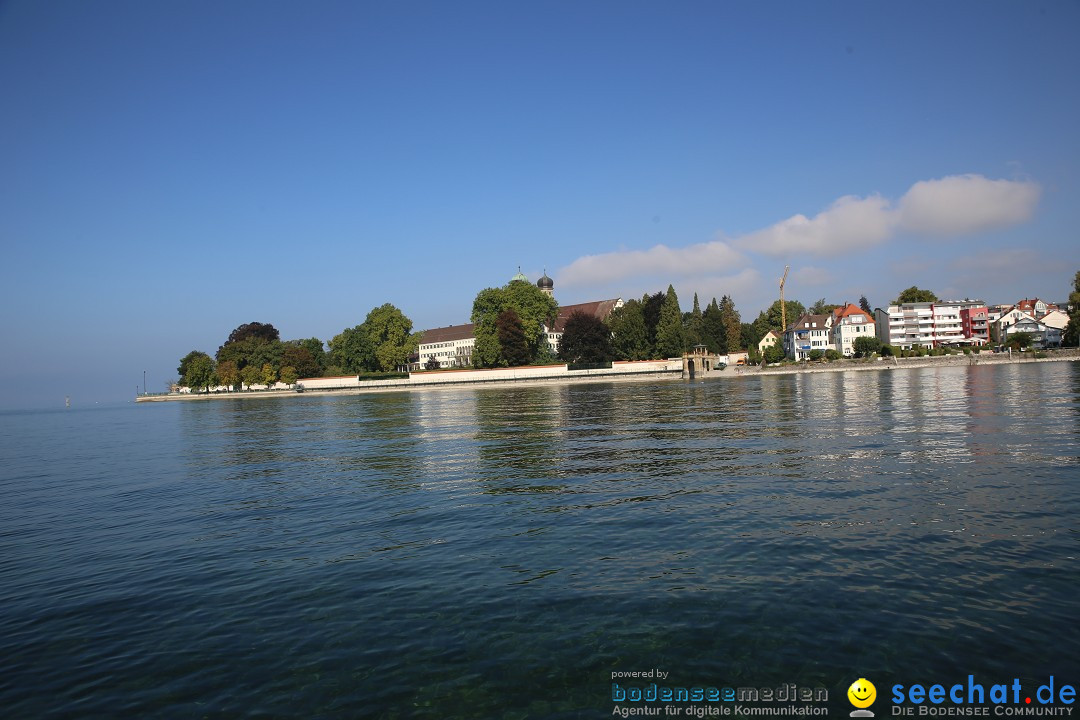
{"points": [[862, 694]]}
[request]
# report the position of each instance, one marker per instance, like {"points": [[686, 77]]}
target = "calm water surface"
{"points": [[489, 552]]}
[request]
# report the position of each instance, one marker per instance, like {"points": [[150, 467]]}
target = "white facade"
{"points": [[451, 346], [808, 333], [1042, 335], [849, 323], [921, 325]]}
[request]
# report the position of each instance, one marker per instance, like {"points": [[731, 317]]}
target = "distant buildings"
{"points": [[930, 324], [452, 347]]}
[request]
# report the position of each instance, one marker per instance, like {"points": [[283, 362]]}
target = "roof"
{"points": [[851, 309], [773, 333], [820, 322], [599, 309], [447, 334]]}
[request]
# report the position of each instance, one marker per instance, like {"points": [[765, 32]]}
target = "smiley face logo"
{"points": [[862, 693]]}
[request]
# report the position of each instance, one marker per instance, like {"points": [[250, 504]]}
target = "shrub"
{"points": [[831, 355], [1040, 354], [888, 351], [815, 355]]}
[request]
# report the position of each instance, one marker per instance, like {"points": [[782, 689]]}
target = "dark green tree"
{"points": [[299, 358], [713, 333], [693, 325], [650, 308], [1019, 340], [1071, 336], [585, 340], [732, 324], [261, 331], [670, 339], [770, 318], [514, 346], [865, 305], [534, 309], [392, 339], [773, 354], [866, 346], [197, 370], [630, 337], [351, 352], [821, 307], [915, 295]]}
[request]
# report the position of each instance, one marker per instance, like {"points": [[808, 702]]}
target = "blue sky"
{"points": [[169, 171]]}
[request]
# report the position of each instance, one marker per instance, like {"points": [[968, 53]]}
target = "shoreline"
{"points": [[895, 363], [654, 373]]}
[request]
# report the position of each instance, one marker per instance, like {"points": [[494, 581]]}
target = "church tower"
{"points": [[546, 284]]}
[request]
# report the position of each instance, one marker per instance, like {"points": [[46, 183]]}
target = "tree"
{"points": [[713, 333], [534, 309], [268, 374], [866, 346], [630, 339], [771, 318], [820, 308], [1019, 340], [1072, 330], [228, 373], [251, 375], [390, 334], [915, 295], [815, 354], [196, 370], [865, 305], [650, 309], [351, 351], [773, 354], [670, 339], [299, 358], [732, 324], [515, 348], [288, 375], [693, 325], [585, 340], [261, 331], [185, 365], [432, 364], [251, 350]]}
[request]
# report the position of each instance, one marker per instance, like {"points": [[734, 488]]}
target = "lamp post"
{"points": [[143, 382]]}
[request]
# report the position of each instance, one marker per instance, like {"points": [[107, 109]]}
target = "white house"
{"points": [[809, 332], [848, 323]]}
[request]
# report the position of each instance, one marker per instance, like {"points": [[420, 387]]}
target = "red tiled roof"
{"points": [[851, 309]]}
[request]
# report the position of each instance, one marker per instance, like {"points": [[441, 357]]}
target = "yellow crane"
{"points": [[783, 308]]}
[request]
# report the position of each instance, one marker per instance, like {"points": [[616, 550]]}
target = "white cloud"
{"points": [[961, 204], [850, 223], [953, 205], [659, 260], [811, 277]]}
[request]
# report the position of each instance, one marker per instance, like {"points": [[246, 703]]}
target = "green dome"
{"points": [[519, 276]]}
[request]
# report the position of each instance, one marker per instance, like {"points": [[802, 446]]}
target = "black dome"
{"points": [[545, 282]]}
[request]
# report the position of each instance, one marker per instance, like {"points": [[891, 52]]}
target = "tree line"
{"points": [[254, 353]]}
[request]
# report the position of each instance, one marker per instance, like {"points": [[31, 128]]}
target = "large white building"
{"points": [[924, 324]]}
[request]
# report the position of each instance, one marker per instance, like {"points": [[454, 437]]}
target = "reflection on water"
{"points": [[490, 552]]}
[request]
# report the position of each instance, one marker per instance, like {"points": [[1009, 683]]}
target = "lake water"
{"points": [[483, 553]]}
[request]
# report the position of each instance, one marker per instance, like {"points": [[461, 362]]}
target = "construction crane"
{"points": [[783, 308]]}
